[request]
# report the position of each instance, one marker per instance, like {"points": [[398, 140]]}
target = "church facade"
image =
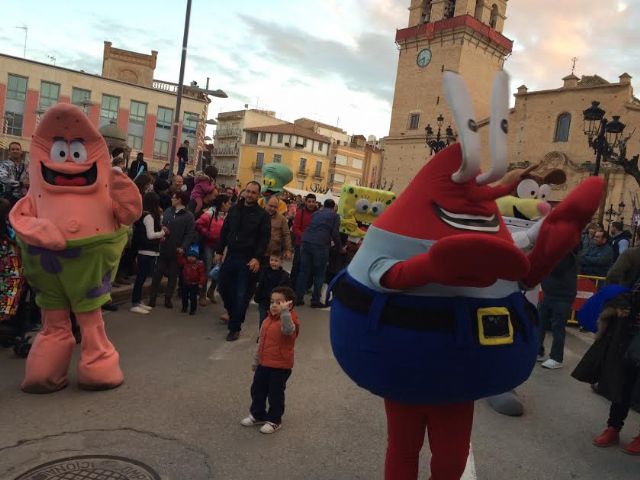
{"points": [[545, 127]]}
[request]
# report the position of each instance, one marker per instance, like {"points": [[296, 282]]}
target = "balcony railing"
{"points": [[225, 151], [171, 87], [224, 172], [302, 171], [228, 132], [258, 165], [318, 175]]}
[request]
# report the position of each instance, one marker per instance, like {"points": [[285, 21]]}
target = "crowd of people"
{"points": [[203, 238], [206, 238]]}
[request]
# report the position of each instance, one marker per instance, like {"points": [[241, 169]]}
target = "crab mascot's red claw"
{"points": [[455, 261], [560, 231]]}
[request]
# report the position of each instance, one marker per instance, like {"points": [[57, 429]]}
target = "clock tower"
{"points": [[464, 36]]}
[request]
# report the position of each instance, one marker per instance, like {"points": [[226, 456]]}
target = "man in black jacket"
{"points": [[245, 234], [181, 227], [559, 290], [138, 166]]}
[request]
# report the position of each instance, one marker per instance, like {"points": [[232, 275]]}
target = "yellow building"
{"points": [[126, 93], [302, 150], [459, 35]]}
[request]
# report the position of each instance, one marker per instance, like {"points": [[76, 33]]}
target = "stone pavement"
{"points": [[186, 390]]}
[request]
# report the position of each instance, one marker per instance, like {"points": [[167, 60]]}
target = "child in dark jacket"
{"points": [[270, 278], [273, 362], [193, 278]]}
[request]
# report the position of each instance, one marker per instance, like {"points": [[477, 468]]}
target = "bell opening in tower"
{"points": [[426, 11], [450, 9]]}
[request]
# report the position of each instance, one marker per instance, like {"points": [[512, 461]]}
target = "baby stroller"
{"points": [[14, 301]]}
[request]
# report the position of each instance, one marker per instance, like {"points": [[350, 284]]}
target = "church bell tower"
{"points": [[464, 36]]}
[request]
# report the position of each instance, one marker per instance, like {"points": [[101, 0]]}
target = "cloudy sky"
{"points": [[331, 60]]}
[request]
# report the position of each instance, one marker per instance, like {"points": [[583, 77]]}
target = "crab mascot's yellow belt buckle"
{"points": [[494, 326]]}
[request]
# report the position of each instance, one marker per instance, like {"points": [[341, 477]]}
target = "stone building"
{"points": [[459, 35], [547, 129], [125, 92]]}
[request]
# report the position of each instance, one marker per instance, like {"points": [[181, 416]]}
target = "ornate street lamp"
{"points": [[602, 135], [592, 118], [438, 142], [614, 130], [621, 206]]}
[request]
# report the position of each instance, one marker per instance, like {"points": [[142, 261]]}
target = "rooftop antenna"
{"points": [[574, 60], [52, 58], [25, 28]]}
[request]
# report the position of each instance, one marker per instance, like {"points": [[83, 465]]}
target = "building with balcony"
{"points": [[301, 149], [125, 92], [230, 136]]}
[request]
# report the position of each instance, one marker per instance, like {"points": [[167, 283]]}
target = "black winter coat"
{"points": [[182, 232], [270, 279], [604, 362], [246, 231]]}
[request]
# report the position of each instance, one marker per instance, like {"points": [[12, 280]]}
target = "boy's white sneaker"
{"points": [[139, 309], [551, 364], [250, 421], [270, 427], [146, 307]]}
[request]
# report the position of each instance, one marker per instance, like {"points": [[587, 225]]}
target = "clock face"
{"points": [[424, 58]]}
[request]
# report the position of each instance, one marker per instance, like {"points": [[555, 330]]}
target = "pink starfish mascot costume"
{"points": [[430, 314], [71, 227]]}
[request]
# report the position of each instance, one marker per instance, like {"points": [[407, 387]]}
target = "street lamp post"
{"points": [[176, 121], [603, 136], [437, 142], [214, 93]]}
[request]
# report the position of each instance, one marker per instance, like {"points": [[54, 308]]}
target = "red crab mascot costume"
{"points": [[71, 229], [430, 314]]}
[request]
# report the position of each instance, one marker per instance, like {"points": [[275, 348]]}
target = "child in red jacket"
{"points": [[273, 362], [193, 278]]}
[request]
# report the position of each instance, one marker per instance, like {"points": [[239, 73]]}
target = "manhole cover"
{"points": [[91, 467]]}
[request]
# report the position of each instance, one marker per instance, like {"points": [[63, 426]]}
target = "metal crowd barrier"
{"points": [[587, 286]]}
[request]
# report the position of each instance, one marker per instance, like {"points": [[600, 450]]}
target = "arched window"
{"points": [[563, 125], [479, 8], [450, 9], [493, 21], [426, 11]]}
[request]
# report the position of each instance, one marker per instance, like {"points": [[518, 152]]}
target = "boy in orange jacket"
{"points": [[273, 362]]}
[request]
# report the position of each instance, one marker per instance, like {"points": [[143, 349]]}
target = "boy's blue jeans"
{"points": [[263, 310]]}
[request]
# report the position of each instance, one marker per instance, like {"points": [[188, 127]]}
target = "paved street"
{"points": [[186, 390]]}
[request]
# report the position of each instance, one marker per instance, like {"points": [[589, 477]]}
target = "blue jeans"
{"points": [[145, 267], [263, 310], [554, 313], [313, 262], [233, 285], [181, 166]]}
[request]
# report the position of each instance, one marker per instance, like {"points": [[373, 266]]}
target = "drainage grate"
{"points": [[91, 467]]}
